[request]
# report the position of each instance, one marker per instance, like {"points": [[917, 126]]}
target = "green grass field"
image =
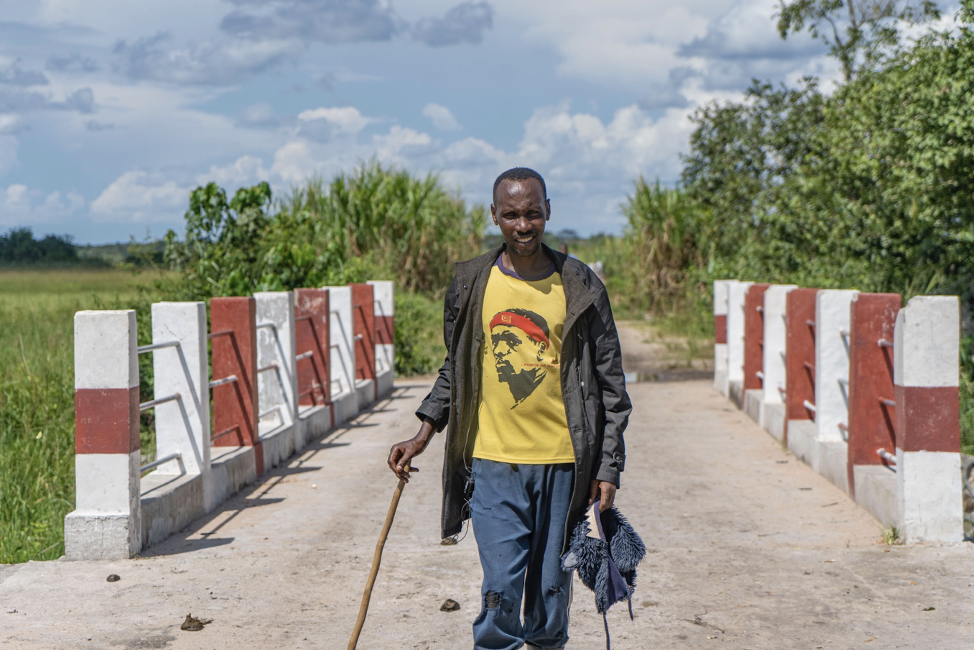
{"points": [[37, 397]]}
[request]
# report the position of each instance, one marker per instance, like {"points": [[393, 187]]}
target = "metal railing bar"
{"points": [[844, 333], [304, 355], [845, 431], [213, 335], [225, 380], [809, 365], [888, 402], [843, 381], [300, 318], [885, 455], [883, 343], [271, 366], [759, 375], [760, 309], [266, 324], [808, 405], [781, 389], [357, 337], [160, 461], [810, 323], [270, 410], [157, 346], [782, 354], [145, 406], [225, 432]]}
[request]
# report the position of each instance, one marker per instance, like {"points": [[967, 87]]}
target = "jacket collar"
{"points": [[579, 292]]}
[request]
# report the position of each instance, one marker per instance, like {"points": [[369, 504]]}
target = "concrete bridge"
{"points": [[749, 546]]}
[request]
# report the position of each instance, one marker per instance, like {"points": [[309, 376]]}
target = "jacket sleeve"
{"points": [[612, 385], [436, 405]]}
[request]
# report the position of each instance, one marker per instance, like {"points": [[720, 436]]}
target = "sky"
{"points": [[112, 111]]}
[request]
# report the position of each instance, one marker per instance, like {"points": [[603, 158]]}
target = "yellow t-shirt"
{"points": [[521, 412]]}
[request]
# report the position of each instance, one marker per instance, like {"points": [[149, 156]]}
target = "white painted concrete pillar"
{"points": [[925, 376], [721, 291], [735, 341], [384, 325], [106, 522], [775, 335], [774, 341], [832, 362], [182, 425], [276, 372], [342, 340]]}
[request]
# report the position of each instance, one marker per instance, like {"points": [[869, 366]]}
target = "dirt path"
{"points": [[749, 549]]}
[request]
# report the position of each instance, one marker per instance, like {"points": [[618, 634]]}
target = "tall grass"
{"points": [[37, 398]]}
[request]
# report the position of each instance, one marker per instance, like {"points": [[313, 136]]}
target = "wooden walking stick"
{"points": [[376, 559]]}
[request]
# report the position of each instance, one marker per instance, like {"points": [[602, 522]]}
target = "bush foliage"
{"points": [[869, 187], [375, 223]]}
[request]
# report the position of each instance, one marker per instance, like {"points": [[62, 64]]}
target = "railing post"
{"points": [[234, 346], [832, 384], [276, 378], [363, 319], [926, 353], [312, 335], [384, 325], [735, 341], [773, 405], [342, 356], [872, 317], [800, 372], [754, 349], [721, 295], [183, 425], [106, 522]]}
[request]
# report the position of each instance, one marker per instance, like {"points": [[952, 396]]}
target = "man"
{"points": [[535, 440]]}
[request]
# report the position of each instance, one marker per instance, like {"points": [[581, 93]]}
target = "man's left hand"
{"points": [[608, 493]]}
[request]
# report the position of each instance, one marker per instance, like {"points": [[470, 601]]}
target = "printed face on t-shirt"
{"points": [[520, 352]]}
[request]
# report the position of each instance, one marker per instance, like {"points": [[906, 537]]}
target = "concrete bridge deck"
{"points": [[749, 549]]}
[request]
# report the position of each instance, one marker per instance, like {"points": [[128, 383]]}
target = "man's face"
{"points": [[520, 211]]}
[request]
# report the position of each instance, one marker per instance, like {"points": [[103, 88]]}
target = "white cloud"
{"points": [[208, 63], [441, 116], [25, 207], [294, 163], [324, 123], [138, 196], [243, 172]]}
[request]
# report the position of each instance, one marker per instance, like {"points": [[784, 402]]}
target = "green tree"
{"points": [[857, 32]]}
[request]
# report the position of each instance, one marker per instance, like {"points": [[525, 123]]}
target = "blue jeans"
{"points": [[519, 514]]}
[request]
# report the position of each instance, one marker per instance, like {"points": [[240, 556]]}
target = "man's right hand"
{"points": [[402, 453]]}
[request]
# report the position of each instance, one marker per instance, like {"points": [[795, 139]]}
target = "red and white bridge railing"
{"points": [[284, 368], [863, 390]]}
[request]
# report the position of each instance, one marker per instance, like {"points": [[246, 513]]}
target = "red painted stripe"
{"points": [[234, 404], [799, 350], [313, 334], [928, 419], [363, 324], [106, 420], [720, 329], [753, 335], [871, 423]]}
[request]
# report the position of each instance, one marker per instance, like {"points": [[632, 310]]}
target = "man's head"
{"points": [[521, 209], [519, 341]]}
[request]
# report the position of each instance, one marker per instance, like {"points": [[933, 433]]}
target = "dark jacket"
{"points": [[592, 383]]}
